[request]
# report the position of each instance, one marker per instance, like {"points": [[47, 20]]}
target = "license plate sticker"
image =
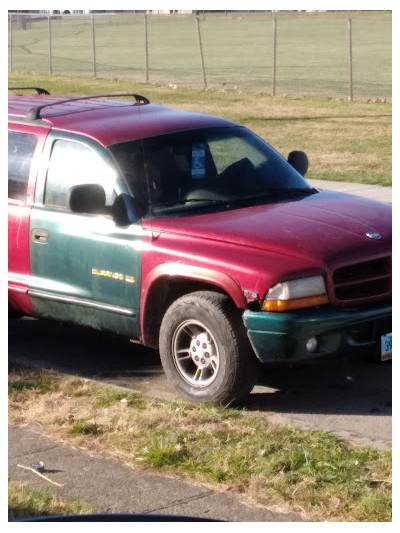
{"points": [[386, 347]]}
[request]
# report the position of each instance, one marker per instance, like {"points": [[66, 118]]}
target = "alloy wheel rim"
{"points": [[195, 353]]}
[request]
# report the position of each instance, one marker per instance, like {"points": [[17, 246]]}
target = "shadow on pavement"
{"points": [[344, 386]]}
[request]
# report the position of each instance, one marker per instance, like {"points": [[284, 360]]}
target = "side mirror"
{"points": [[126, 210], [299, 161], [88, 199]]}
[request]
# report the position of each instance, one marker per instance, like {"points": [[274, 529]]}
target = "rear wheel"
{"points": [[204, 349]]}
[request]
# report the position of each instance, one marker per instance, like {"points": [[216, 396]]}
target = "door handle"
{"points": [[40, 235]]}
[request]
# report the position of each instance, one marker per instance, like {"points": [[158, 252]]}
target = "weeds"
{"points": [[25, 379], [27, 502], [109, 397], [85, 428]]}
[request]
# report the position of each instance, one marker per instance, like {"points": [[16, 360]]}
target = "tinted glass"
{"points": [[203, 166]]}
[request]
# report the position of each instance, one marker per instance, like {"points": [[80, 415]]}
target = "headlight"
{"points": [[296, 294]]}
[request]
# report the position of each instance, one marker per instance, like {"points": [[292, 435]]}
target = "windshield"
{"points": [[190, 170]]}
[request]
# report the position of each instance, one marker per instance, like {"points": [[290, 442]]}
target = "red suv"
{"points": [[189, 234]]}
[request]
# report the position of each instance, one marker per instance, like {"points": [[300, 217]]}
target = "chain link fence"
{"points": [[328, 55]]}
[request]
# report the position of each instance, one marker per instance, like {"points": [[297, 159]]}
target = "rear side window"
{"points": [[21, 147]]}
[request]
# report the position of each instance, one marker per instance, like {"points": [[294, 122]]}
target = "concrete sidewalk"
{"points": [[375, 192], [117, 488]]}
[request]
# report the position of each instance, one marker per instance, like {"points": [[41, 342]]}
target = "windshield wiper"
{"points": [[268, 193], [191, 200], [212, 200], [236, 201]]}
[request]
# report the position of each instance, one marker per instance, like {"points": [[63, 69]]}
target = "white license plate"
{"points": [[386, 347]]}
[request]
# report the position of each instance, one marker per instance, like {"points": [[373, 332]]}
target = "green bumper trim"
{"points": [[283, 336]]}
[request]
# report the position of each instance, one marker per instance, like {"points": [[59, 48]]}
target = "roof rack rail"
{"points": [[34, 113], [39, 90]]}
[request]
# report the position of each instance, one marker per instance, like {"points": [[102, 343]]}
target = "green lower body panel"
{"points": [[285, 336], [100, 319]]}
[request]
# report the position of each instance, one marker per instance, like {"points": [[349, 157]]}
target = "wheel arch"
{"points": [[168, 282]]}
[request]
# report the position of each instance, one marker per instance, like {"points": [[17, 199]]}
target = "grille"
{"points": [[369, 280]]}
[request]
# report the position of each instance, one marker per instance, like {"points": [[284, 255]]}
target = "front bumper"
{"points": [[283, 336]]}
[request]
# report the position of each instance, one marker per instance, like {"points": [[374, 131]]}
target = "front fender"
{"points": [[193, 273]]}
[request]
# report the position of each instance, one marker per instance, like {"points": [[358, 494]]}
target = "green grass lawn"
{"points": [[312, 55], [346, 141]]}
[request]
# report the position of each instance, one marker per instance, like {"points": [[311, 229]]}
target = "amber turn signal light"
{"points": [[297, 303]]}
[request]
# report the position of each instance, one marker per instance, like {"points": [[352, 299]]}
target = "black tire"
{"points": [[204, 349]]}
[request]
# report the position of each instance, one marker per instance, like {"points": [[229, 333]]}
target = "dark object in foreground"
{"points": [[123, 517]]}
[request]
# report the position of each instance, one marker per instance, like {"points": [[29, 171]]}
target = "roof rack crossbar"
{"points": [[39, 90], [34, 113]]}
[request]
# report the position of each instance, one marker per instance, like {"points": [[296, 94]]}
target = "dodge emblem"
{"points": [[375, 236]]}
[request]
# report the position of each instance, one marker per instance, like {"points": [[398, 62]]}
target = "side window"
{"points": [[227, 153], [21, 147], [72, 163]]}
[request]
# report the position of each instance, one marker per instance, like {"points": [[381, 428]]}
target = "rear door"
{"points": [[85, 269], [23, 150]]}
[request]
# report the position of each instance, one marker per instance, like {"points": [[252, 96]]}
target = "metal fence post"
{"points": [[50, 51], [94, 46], [350, 60], [274, 57], [11, 65], [201, 52], [146, 46]]}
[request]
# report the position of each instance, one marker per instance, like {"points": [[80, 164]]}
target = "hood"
{"points": [[327, 226]]}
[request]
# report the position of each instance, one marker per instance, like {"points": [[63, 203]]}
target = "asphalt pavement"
{"points": [[118, 488]]}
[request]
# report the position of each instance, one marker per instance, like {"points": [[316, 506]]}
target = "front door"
{"points": [[85, 269]]}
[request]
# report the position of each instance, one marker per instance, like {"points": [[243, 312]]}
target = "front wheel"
{"points": [[204, 349]]}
